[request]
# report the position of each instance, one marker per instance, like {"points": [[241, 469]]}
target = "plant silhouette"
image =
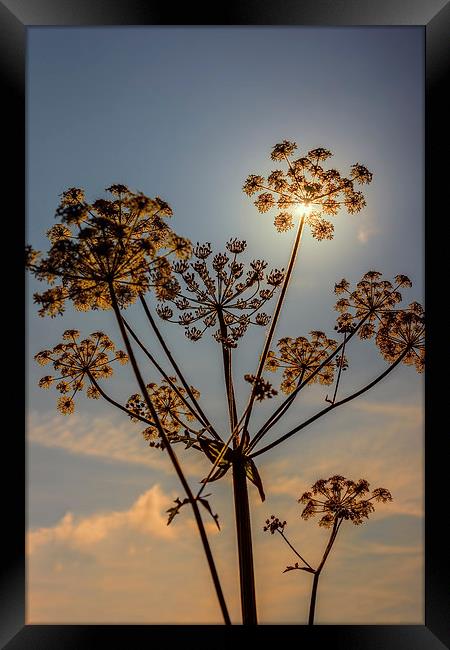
{"points": [[337, 499], [121, 250]]}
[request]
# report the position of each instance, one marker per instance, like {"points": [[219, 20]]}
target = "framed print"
{"points": [[225, 260]]}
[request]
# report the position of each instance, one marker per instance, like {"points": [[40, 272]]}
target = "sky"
{"points": [[187, 114]]}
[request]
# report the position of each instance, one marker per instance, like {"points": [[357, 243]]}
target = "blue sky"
{"points": [[187, 114]]}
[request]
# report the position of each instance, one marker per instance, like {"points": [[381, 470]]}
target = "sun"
{"points": [[303, 208]]}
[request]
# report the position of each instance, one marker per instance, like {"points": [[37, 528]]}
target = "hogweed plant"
{"points": [[121, 250], [336, 499]]}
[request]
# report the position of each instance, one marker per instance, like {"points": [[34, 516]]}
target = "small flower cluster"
{"points": [[220, 293], [338, 498], [307, 185], [262, 389], [75, 361], [172, 411], [375, 300], [273, 524], [300, 358], [109, 245]]}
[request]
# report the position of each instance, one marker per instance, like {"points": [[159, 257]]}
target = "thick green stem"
{"points": [[241, 503], [244, 540]]}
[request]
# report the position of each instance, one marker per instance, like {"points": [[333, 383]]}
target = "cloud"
{"points": [[104, 438], [122, 566], [129, 567], [146, 515]]}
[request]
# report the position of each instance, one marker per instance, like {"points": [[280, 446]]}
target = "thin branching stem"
{"points": [[275, 317], [330, 408], [173, 458], [295, 551], [169, 380], [281, 410], [341, 365], [174, 363], [226, 355], [116, 404]]}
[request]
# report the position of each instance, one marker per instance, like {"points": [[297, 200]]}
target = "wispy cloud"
{"points": [[384, 445], [406, 411], [104, 438]]}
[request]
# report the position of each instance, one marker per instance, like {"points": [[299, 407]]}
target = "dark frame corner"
{"points": [[434, 16]]}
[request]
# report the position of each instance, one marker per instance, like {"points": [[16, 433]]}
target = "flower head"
{"points": [[274, 524], [338, 498], [306, 185], [398, 331], [74, 361], [372, 298], [301, 357], [117, 244], [263, 389], [403, 333], [219, 291], [172, 411]]}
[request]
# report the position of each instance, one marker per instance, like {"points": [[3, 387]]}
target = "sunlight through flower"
{"points": [[307, 188]]}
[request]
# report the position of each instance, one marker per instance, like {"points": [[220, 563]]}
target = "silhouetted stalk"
{"points": [[169, 381], [275, 316], [318, 571], [226, 356], [240, 495], [295, 551], [173, 458], [244, 539], [116, 404], [173, 362], [341, 365], [281, 410], [330, 408]]}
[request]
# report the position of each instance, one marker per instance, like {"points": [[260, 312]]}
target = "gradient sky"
{"points": [[187, 114]]}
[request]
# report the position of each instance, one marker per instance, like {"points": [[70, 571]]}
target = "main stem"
{"points": [[174, 459], [241, 502], [244, 541]]}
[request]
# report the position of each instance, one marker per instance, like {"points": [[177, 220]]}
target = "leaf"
{"points": [[188, 440], [205, 503], [253, 476], [179, 504], [212, 449], [218, 473], [300, 568], [176, 508]]}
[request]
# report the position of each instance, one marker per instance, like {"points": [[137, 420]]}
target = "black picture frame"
{"points": [[434, 16]]}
